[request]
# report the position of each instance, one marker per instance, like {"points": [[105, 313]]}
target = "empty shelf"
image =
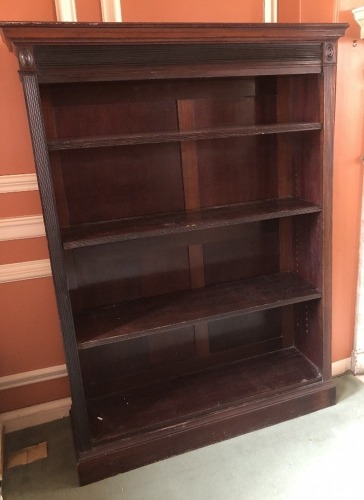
{"points": [[167, 312]]}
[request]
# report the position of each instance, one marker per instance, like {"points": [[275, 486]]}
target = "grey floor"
{"points": [[318, 456]]}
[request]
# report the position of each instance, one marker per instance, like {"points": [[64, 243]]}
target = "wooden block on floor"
{"points": [[27, 455]]}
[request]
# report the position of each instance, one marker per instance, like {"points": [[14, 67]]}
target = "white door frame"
{"points": [[358, 351]]}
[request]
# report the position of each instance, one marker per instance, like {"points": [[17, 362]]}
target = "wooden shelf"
{"points": [[138, 318], [175, 136], [193, 220], [194, 396]]}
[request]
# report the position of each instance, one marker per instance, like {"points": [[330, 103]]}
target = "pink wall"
{"points": [[192, 11]]}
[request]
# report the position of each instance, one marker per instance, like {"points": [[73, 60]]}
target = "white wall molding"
{"points": [[357, 359], [17, 183], [25, 270], [358, 350], [66, 10], [270, 11], [2, 459], [16, 228], [35, 415], [359, 18], [32, 377], [111, 11], [341, 367]]}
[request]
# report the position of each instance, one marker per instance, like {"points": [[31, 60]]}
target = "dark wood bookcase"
{"points": [[185, 175]]}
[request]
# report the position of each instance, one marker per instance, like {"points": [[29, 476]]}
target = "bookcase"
{"points": [[185, 175]]}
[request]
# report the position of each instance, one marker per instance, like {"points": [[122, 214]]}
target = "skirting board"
{"points": [[341, 367], [35, 415], [47, 412]]}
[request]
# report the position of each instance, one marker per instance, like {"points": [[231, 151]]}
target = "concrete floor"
{"points": [[318, 456]]}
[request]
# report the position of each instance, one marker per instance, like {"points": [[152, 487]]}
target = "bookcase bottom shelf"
{"points": [[151, 423]]}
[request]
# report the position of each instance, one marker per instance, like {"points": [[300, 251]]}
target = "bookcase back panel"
{"points": [[254, 253], [145, 360], [116, 118], [128, 91], [306, 158], [300, 97], [98, 113], [126, 364], [98, 109], [113, 183], [109, 274], [229, 171], [308, 248], [246, 329]]}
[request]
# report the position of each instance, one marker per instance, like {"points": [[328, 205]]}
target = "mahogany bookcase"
{"points": [[185, 174]]}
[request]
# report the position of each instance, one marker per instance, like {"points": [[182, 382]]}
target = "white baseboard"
{"points": [[341, 367], [25, 270], [17, 228], [35, 415], [358, 362], [17, 183]]}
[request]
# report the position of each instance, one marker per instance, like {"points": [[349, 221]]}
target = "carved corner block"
{"points": [[329, 53], [26, 59]]}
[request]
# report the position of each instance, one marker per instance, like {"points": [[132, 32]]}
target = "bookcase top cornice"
{"points": [[53, 33]]}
